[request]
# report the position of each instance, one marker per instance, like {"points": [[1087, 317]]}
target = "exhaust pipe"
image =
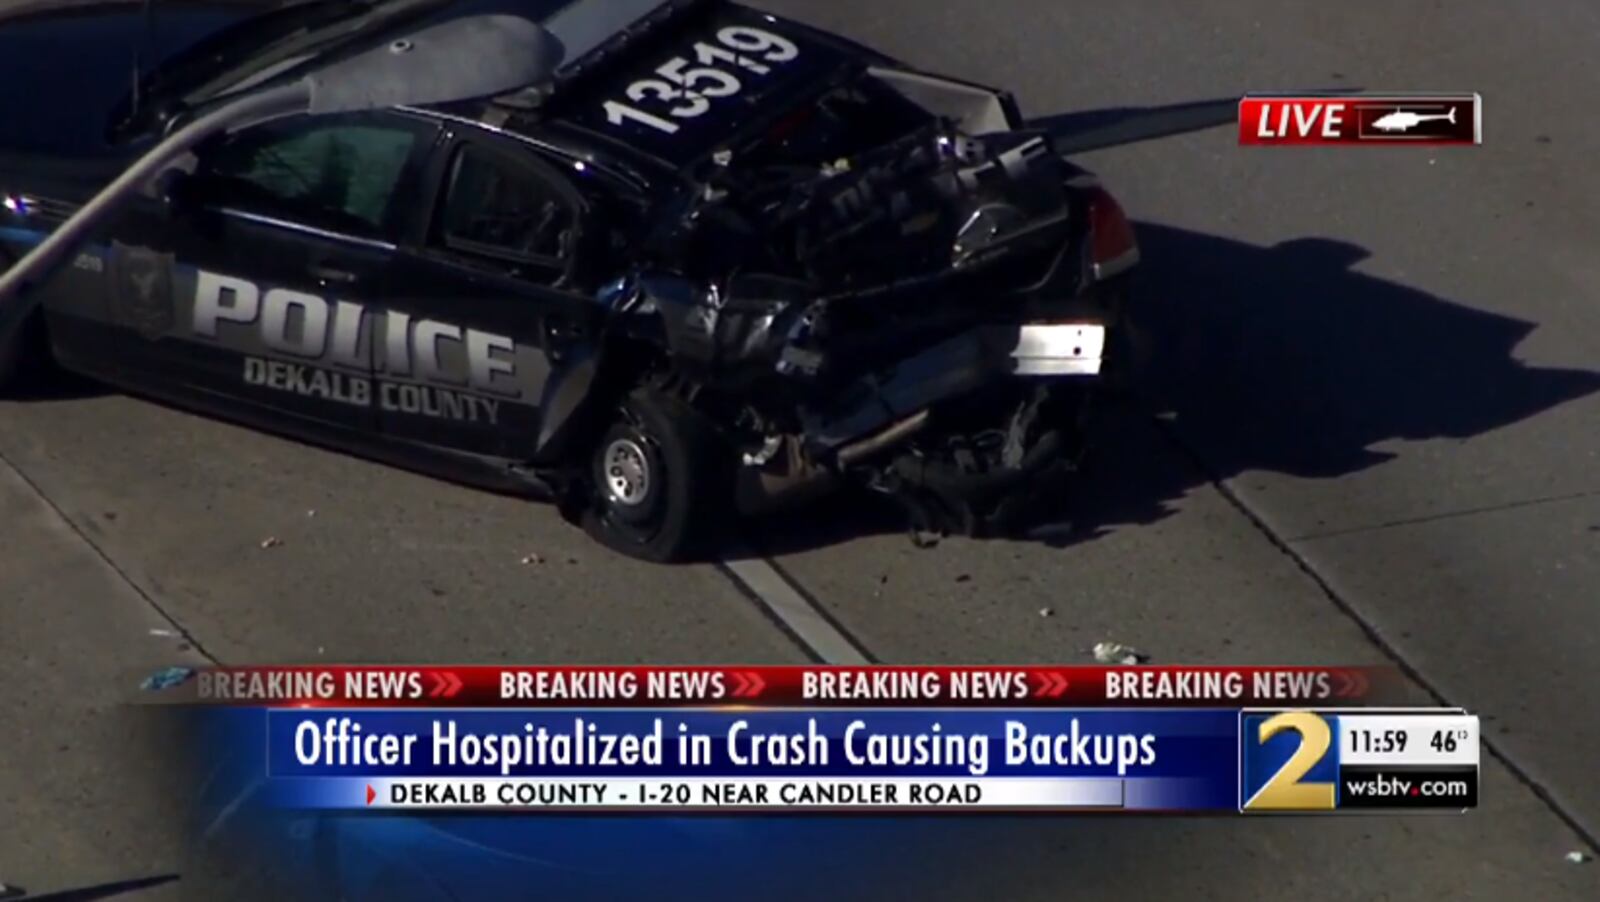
{"points": [[888, 438]]}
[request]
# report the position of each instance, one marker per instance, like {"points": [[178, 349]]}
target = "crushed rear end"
{"points": [[894, 286]]}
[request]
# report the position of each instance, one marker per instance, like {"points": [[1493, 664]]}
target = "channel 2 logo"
{"points": [[1393, 119], [1289, 761], [1310, 761]]}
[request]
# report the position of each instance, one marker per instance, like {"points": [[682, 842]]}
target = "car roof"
{"points": [[569, 110]]}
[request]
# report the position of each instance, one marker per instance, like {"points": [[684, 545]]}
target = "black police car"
{"points": [[718, 261]]}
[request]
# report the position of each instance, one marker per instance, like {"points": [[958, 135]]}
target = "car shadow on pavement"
{"points": [[101, 891], [1281, 359], [60, 385]]}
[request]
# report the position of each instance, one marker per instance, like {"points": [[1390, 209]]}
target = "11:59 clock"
{"points": [[1380, 742]]}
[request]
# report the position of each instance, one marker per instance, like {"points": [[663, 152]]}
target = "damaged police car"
{"points": [[718, 262]]}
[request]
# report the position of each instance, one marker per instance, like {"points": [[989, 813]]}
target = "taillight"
{"points": [[1112, 247]]}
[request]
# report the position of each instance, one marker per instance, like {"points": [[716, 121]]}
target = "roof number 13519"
{"points": [[687, 87]]}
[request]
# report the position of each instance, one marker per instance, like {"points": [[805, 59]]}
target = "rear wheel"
{"points": [[660, 481]]}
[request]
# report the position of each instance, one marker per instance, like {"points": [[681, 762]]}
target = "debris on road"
{"points": [[1577, 856], [1046, 612], [964, 578], [1051, 531], [312, 512], [166, 678], [1117, 653], [163, 633], [271, 542], [532, 559]]}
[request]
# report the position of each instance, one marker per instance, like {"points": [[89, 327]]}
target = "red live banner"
{"points": [[474, 686], [1364, 119]]}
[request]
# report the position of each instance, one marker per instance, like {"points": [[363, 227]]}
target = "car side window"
{"points": [[511, 210], [336, 173]]}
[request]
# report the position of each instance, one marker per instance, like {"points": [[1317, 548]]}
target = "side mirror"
{"points": [[177, 190]]}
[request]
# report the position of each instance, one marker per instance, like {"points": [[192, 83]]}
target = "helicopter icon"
{"points": [[1404, 120]]}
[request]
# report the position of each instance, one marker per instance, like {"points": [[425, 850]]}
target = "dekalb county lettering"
{"points": [[776, 793], [436, 369], [356, 391]]}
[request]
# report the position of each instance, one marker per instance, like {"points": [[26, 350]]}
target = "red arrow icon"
{"points": [[445, 685], [370, 794], [755, 685], [746, 684], [1352, 684], [1361, 683], [455, 682], [1051, 685]]}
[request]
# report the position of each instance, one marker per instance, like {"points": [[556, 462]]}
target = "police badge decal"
{"points": [[143, 289]]}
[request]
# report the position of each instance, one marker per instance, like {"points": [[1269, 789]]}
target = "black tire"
{"points": [[24, 356], [660, 482], [24, 350]]}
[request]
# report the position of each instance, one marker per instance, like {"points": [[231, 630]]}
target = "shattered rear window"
{"points": [[841, 123]]}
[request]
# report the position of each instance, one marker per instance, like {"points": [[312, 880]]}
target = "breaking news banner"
{"points": [[844, 739], [1392, 119]]}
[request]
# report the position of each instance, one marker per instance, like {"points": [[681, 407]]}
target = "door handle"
{"points": [[330, 274]]}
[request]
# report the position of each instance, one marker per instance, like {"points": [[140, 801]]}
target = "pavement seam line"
{"points": [[105, 557], [1447, 515], [794, 609], [1540, 791]]}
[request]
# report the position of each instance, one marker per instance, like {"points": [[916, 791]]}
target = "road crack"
{"points": [[100, 552], [1521, 774]]}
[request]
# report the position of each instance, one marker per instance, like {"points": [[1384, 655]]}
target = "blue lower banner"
{"points": [[884, 760], [391, 804]]}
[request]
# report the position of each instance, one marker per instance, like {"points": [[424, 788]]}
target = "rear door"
{"points": [[485, 284], [267, 290]]}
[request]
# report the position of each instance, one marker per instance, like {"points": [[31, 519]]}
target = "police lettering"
{"points": [[305, 326]]}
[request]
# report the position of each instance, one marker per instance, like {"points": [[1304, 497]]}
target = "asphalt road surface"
{"points": [[1371, 434]]}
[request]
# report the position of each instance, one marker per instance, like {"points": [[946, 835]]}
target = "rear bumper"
{"points": [[876, 408]]}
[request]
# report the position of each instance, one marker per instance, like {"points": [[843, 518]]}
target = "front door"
{"points": [[277, 270], [482, 291]]}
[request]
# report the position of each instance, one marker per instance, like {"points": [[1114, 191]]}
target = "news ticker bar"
{"points": [[912, 760], [1369, 790], [861, 794], [814, 686], [1418, 119]]}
